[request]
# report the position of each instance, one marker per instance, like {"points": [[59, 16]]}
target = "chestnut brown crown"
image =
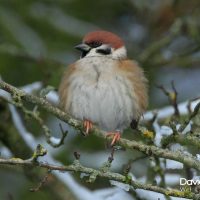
{"points": [[102, 43], [103, 37]]}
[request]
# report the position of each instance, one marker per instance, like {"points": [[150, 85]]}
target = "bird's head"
{"points": [[102, 43]]}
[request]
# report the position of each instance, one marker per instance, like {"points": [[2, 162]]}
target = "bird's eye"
{"points": [[94, 44]]}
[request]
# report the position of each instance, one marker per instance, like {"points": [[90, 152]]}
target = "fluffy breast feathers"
{"points": [[106, 91]]}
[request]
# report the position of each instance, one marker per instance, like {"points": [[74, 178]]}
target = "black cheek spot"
{"points": [[105, 51]]}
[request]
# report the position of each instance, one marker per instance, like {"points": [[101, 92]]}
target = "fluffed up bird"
{"points": [[104, 87]]}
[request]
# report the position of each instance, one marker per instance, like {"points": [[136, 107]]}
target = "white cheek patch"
{"points": [[119, 53]]}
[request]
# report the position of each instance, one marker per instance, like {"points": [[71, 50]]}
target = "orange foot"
{"points": [[87, 126], [116, 136]]}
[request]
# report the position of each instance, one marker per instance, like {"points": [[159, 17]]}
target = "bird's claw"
{"points": [[116, 137], [87, 124]]}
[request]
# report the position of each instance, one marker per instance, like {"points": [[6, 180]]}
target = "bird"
{"points": [[104, 87]]}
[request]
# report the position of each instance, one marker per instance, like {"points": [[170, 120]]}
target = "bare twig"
{"points": [[192, 115], [172, 96], [195, 112], [41, 184], [107, 165], [77, 167], [36, 116], [190, 103], [146, 149]]}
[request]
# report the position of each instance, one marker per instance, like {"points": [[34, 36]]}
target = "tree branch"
{"points": [[149, 150], [146, 149], [77, 167]]}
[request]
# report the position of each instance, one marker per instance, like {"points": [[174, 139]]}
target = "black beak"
{"points": [[83, 47]]}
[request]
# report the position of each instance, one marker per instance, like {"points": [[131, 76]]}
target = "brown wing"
{"points": [[136, 75], [63, 90]]}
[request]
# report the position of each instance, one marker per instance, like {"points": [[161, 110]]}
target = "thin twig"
{"points": [[41, 184], [146, 149], [36, 116], [192, 115], [172, 96], [77, 167]]}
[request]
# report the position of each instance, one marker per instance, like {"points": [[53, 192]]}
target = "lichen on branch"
{"points": [[149, 150]]}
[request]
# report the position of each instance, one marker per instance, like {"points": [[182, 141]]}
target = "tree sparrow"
{"points": [[104, 87]]}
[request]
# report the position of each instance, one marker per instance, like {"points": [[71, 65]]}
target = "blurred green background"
{"points": [[37, 39]]}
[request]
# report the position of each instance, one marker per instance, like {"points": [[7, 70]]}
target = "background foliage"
{"points": [[36, 44]]}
